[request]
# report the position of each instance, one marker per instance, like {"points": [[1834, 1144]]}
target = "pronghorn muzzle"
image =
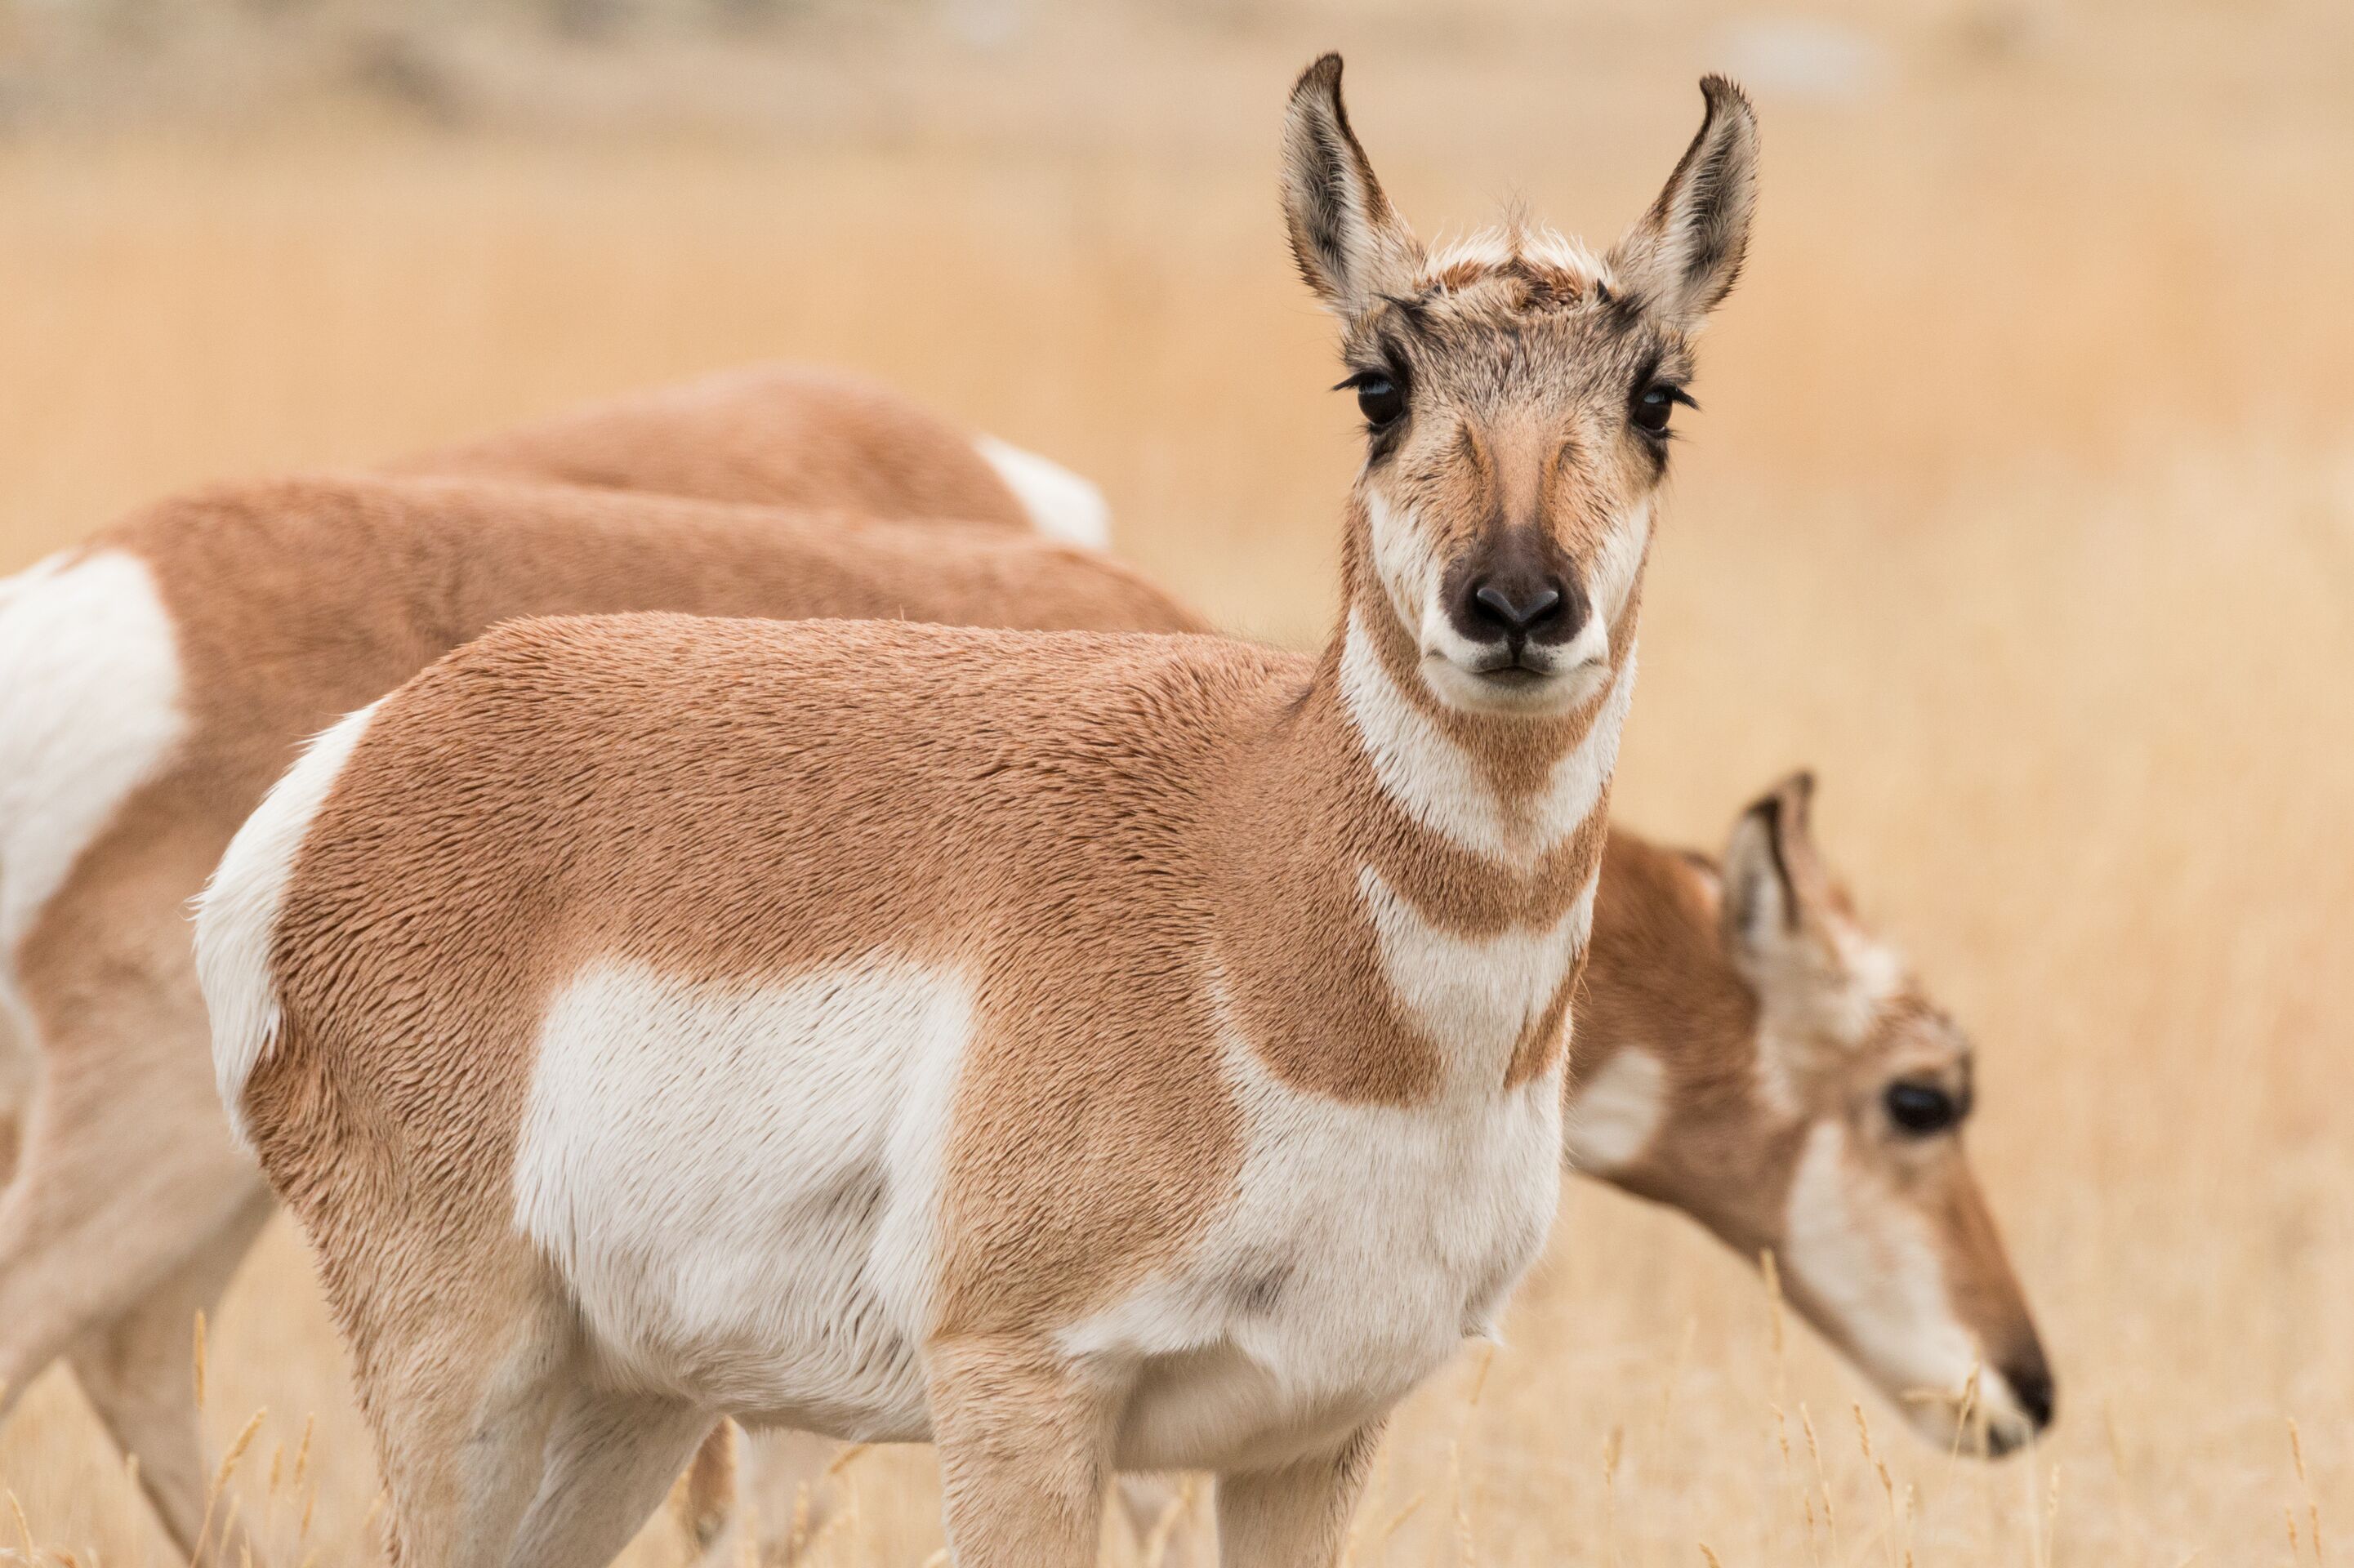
{"points": [[1519, 595]]}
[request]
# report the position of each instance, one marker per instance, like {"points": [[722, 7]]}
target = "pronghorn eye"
{"points": [[1656, 404], [1379, 398], [1922, 1110]]}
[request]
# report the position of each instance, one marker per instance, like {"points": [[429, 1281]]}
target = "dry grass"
{"points": [[2023, 508]]}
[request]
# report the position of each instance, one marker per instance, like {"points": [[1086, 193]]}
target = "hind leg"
{"points": [[461, 1420], [610, 1458], [775, 1489], [126, 1168], [138, 1374]]}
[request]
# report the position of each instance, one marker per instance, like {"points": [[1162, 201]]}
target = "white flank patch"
{"points": [[1613, 1115], [90, 710], [1433, 781], [1868, 1260], [1362, 1246], [1473, 997], [1061, 504], [237, 914], [739, 1182]]}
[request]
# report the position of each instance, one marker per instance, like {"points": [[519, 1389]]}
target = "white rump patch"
{"points": [[739, 1181], [1433, 780], [1061, 504], [90, 710], [1613, 1115], [237, 914], [1473, 997]]}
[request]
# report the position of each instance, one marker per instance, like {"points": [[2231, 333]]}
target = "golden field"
{"points": [[2023, 509]]}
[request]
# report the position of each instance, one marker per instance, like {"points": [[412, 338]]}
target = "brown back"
{"points": [[782, 435]]}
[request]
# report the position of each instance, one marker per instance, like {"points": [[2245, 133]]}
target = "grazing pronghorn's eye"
{"points": [[1656, 403], [1380, 397], [1923, 1109]]}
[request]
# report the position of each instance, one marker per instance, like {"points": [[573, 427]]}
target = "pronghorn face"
{"points": [[1861, 1090], [1518, 391]]}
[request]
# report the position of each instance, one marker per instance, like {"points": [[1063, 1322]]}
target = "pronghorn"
{"points": [[788, 435], [154, 680], [1750, 1053], [1079, 1051]]}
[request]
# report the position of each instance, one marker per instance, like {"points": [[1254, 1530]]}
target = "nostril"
{"points": [[1524, 612], [2033, 1387]]}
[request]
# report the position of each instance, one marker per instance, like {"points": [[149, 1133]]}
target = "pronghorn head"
{"points": [[1516, 390], [1859, 1090]]}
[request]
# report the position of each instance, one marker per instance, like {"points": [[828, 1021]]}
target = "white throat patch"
{"points": [[1433, 781]]}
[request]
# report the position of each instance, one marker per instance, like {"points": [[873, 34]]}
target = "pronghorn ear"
{"points": [[1681, 260], [1776, 890], [1350, 243]]}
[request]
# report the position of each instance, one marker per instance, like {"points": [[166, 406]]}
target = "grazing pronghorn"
{"points": [[154, 680], [1081, 1050], [1750, 1053]]}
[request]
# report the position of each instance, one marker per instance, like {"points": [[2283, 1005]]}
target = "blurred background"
{"points": [[2022, 508]]}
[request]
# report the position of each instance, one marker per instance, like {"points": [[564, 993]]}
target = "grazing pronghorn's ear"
{"points": [[1682, 258], [1777, 893], [1349, 241]]}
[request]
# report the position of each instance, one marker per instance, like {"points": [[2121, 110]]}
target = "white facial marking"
{"points": [[1402, 560], [746, 1175], [90, 710], [1868, 1260], [237, 914], [1430, 778], [1473, 997], [1363, 1245], [1613, 1115], [1062, 505]]}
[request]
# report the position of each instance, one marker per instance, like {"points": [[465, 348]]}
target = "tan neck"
{"points": [[1429, 872]]}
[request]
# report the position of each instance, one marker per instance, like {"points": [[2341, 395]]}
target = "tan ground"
{"points": [[2023, 508]]}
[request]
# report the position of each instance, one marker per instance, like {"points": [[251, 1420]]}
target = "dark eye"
{"points": [[1655, 405], [1378, 395], [1379, 398], [1922, 1110]]}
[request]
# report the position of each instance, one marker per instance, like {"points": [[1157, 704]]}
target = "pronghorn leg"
{"points": [[1025, 1439], [702, 1501], [138, 1373], [774, 1487], [125, 1168], [611, 1458], [1297, 1516], [461, 1385]]}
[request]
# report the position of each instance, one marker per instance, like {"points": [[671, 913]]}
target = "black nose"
{"points": [[1520, 612], [2032, 1386]]}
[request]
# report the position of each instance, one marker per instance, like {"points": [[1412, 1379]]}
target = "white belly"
{"points": [[738, 1183], [1364, 1245]]}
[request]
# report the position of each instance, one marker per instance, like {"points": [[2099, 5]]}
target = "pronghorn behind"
{"points": [[156, 679], [789, 435], [1085, 1052], [1750, 1053]]}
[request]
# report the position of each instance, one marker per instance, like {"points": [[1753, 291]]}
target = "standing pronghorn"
{"points": [[154, 680], [1081, 1050]]}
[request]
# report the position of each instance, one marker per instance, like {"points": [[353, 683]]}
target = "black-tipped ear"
{"points": [[1346, 238], [1773, 882], [1684, 256]]}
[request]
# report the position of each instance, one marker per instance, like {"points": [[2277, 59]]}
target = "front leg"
{"points": [[1297, 1516], [1024, 1438]]}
